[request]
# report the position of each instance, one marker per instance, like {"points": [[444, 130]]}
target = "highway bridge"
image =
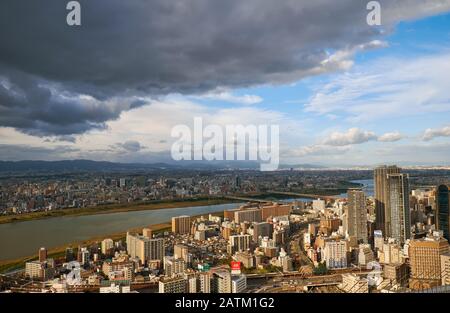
{"points": [[303, 195], [247, 199]]}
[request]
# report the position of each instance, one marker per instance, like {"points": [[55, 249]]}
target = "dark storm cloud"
{"points": [[130, 146], [128, 49]]}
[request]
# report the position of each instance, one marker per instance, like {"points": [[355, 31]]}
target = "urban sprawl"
{"points": [[343, 239]]}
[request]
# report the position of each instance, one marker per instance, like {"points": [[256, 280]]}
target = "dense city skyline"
{"points": [[379, 231]]}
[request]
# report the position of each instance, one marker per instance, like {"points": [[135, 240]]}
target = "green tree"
{"points": [[320, 269]]}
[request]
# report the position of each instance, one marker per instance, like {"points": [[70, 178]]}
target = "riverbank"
{"points": [[166, 204], [59, 252], [156, 205]]}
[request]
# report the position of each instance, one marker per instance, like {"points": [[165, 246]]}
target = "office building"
{"points": [[382, 211], [357, 215], [425, 261], [442, 210], [181, 224], [399, 213]]}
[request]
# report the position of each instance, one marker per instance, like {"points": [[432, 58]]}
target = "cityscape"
{"points": [[386, 233], [254, 155]]}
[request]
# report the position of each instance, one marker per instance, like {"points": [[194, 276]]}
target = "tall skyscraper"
{"points": [[400, 215], [382, 211], [442, 210], [357, 215], [181, 224]]}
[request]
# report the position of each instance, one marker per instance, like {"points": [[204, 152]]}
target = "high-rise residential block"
{"points": [[357, 215], [144, 248], [181, 224]]}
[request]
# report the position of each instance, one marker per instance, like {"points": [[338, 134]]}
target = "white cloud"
{"points": [[316, 150], [352, 136], [387, 88], [431, 133], [390, 137], [228, 96], [338, 143]]}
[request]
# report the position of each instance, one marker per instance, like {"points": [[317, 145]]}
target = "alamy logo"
{"points": [[74, 16], [232, 142], [374, 16], [74, 277]]}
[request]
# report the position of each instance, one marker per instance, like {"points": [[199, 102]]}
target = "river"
{"points": [[22, 239]]}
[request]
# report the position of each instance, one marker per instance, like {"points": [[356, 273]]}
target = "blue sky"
{"points": [[409, 42]]}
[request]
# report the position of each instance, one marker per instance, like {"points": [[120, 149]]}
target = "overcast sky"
{"points": [[343, 92]]}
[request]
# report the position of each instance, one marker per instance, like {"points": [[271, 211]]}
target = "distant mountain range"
{"points": [[103, 166], [74, 166]]}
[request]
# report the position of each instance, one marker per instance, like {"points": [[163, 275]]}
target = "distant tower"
{"points": [[442, 210], [42, 254], [382, 210]]}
